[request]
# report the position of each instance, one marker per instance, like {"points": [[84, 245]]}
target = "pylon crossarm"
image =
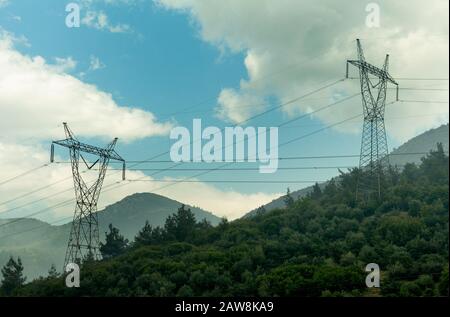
{"points": [[373, 70], [86, 148]]}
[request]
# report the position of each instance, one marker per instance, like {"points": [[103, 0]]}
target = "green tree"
{"points": [[181, 225], [114, 245], [316, 192], [435, 165], [12, 276], [260, 211], [443, 282], [288, 200], [149, 235], [185, 291], [52, 273]]}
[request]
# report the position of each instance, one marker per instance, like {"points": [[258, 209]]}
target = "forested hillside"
{"points": [[410, 152], [317, 246]]}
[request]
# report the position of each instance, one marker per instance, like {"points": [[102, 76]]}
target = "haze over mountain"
{"points": [[40, 244], [421, 143]]}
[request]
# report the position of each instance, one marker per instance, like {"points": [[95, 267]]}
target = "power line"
{"points": [[33, 191], [424, 101], [245, 168], [227, 164], [279, 158], [408, 78], [288, 68], [23, 174], [229, 181], [424, 79], [279, 126], [419, 89], [203, 111], [386, 119], [34, 201], [37, 212], [229, 169], [38, 227]]}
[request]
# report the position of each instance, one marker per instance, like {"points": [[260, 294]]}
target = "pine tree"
{"points": [[52, 273], [115, 243], [180, 225], [316, 192], [261, 210], [12, 276], [288, 200], [144, 236], [149, 235]]}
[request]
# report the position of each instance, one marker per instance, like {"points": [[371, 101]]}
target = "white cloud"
{"points": [[4, 3], [35, 97], [236, 107], [225, 203], [95, 63], [64, 64], [100, 21], [291, 45], [16, 18]]}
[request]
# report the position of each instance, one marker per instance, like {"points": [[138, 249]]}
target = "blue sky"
{"points": [[174, 63]]}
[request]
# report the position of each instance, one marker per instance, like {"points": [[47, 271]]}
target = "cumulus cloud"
{"points": [[35, 97], [236, 107], [100, 21], [291, 45], [64, 64]]}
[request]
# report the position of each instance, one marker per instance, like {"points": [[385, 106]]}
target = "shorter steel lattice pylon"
{"points": [[84, 234]]}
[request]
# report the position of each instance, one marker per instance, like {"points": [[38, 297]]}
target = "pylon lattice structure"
{"points": [[374, 159], [84, 234]]}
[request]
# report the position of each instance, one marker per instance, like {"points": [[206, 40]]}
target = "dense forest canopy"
{"points": [[316, 246]]}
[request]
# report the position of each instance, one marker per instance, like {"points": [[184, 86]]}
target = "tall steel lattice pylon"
{"points": [[374, 159], [84, 234]]}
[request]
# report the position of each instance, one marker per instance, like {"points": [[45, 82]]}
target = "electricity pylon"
{"points": [[84, 234], [374, 159]]}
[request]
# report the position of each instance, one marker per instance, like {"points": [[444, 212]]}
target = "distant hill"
{"points": [[40, 245], [130, 213], [419, 144], [422, 143]]}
